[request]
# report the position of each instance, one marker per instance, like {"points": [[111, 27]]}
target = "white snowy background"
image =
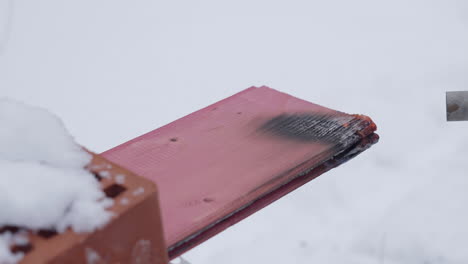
{"points": [[113, 70]]}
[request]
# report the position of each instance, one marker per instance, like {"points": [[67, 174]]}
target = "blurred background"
{"points": [[113, 70]]}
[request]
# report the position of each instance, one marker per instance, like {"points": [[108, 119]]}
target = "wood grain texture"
{"points": [[220, 164]]}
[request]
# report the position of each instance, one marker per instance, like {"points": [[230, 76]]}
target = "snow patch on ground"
{"points": [[43, 183]]}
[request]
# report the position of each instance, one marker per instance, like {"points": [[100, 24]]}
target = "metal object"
{"points": [[457, 106]]}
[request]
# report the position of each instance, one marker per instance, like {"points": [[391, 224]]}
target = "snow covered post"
{"points": [[63, 204]]}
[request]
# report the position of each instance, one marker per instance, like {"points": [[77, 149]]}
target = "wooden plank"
{"points": [[220, 164]]}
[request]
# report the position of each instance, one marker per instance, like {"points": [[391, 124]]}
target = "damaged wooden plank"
{"points": [[221, 164]]}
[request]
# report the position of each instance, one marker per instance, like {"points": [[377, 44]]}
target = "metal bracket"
{"points": [[457, 106]]}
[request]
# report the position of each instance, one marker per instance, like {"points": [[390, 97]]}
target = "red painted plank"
{"points": [[220, 164]]}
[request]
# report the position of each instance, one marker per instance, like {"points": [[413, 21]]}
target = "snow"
{"points": [[5, 255], [138, 191], [142, 252], [129, 68], [179, 260], [92, 257], [104, 174], [124, 201], [120, 179], [32, 134], [43, 182]]}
